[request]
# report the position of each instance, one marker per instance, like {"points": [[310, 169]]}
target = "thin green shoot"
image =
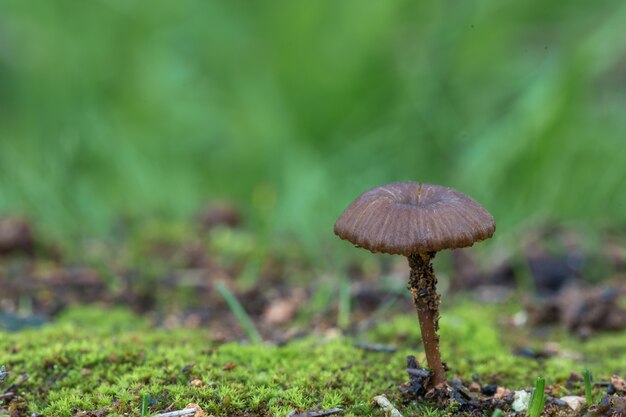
{"points": [[431, 412], [537, 399], [240, 314], [588, 392], [343, 315], [144, 405], [497, 413], [250, 274]]}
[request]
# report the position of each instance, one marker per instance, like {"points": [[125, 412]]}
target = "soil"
{"points": [[178, 288], [471, 398]]}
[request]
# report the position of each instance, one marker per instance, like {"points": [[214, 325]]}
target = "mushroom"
{"points": [[417, 220]]}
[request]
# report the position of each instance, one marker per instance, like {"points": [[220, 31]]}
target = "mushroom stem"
{"points": [[423, 286]]}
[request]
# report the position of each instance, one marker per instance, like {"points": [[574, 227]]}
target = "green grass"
{"points": [[537, 398], [144, 405], [588, 391], [92, 359], [239, 312], [110, 110]]}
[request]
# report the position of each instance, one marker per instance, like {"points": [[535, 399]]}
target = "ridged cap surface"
{"points": [[404, 218]]}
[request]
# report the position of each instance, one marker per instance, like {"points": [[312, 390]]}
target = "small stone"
{"points": [[574, 402], [333, 333], [502, 393], [611, 389], [199, 411], [521, 399], [489, 389], [520, 318], [281, 311], [192, 321], [474, 386], [197, 383], [575, 377], [551, 349], [85, 372], [618, 383]]}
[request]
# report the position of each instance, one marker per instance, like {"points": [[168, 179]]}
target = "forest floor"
{"points": [[202, 314]]}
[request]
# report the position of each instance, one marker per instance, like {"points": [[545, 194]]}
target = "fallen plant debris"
{"points": [[546, 351], [176, 286], [475, 399], [220, 214], [418, 378], [582, 309], [320, 413], [376, 347], [190, 409], [11, 392], [15, 404], [16, 236], [468, 276], [617, 384], [382, 402], [609, 406]]}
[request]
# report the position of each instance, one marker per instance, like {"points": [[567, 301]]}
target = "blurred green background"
{"points": [[117, 108]]}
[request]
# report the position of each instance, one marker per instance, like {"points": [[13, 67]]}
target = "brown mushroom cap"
{"points": [[404, 218]]}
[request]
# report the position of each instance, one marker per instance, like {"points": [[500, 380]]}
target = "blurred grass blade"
{"points": [[343, 316], [240, 314], [588, 392]]}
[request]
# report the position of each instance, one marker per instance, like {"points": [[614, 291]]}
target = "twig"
{"points": [[177, 413], [317, 413], [387, 407], [420, 373], [376, 348]]}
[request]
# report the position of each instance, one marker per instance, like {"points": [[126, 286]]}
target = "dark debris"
{"points": [[376, 348], [16, 236], [581, 309], [609, 406]]}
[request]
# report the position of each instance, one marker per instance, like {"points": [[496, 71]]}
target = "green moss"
{"points": [[114, 320], [85, 370], [93, 359]]}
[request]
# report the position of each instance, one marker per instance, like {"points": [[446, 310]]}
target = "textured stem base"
{"points": [[423, 286]]}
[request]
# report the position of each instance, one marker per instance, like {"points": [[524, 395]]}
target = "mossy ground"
{"points": [[94, 359]]}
